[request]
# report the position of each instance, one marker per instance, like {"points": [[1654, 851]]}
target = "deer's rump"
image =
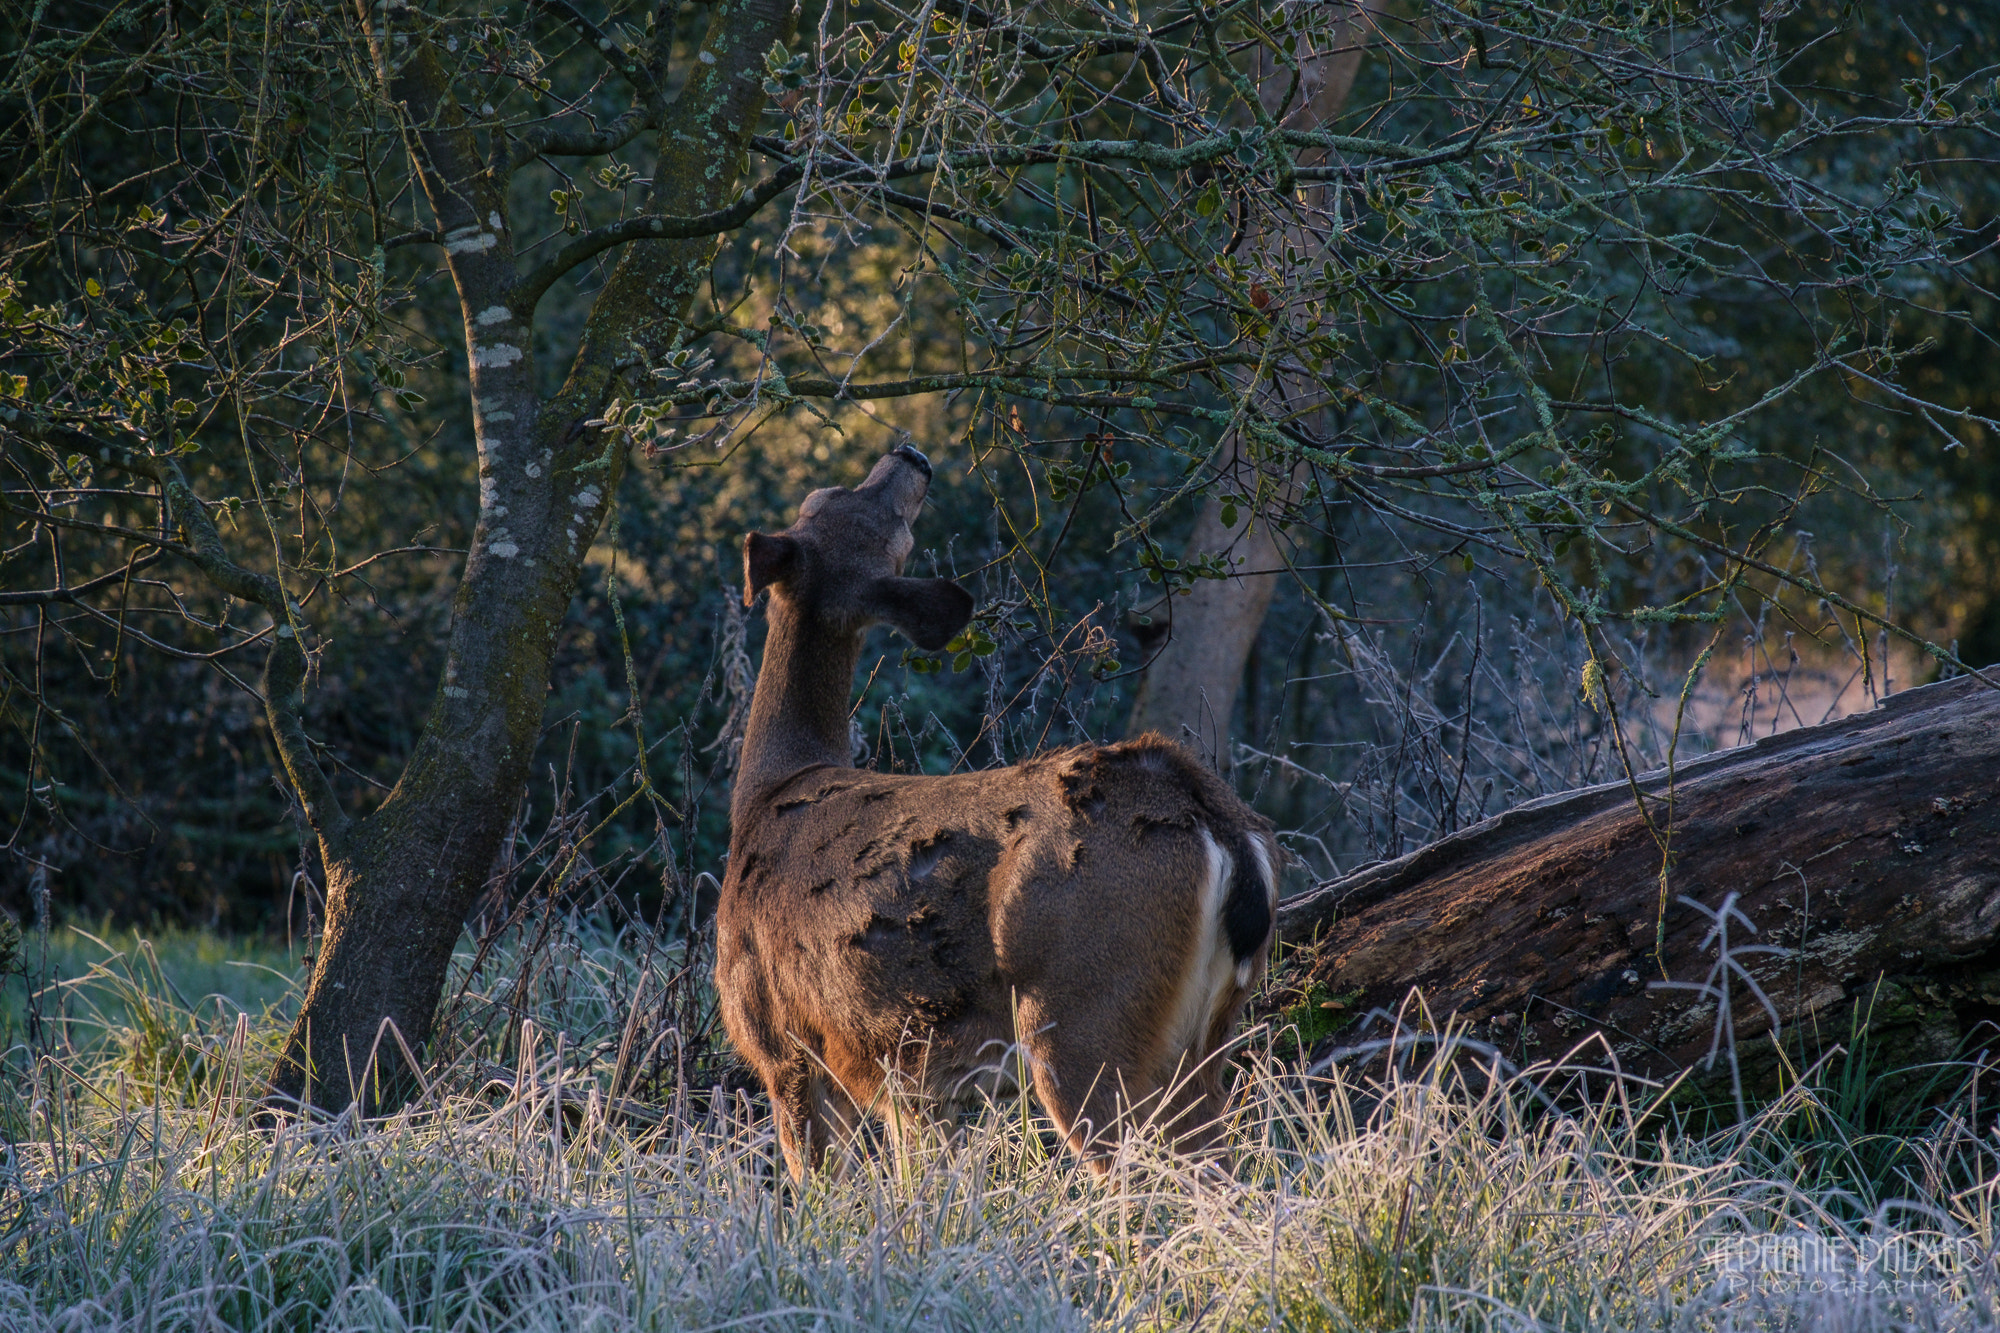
{"points": [[871, 918]]}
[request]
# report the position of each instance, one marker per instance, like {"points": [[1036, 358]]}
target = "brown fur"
{"points": [[872, 922]]}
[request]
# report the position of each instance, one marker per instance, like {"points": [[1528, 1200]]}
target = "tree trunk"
{"points": [[401, 881], [1189, 690], [1190, 686], [1867, 850]]}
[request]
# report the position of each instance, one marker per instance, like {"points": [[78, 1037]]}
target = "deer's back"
{"points": [[862, 910]]}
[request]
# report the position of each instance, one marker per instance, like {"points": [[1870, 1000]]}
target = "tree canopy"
{"points": [[332, 334]]}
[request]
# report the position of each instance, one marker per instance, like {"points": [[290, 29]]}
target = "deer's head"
{"points": [[839, 566]]}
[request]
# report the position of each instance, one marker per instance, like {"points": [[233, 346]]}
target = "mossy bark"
{"points": [[401, 881]]}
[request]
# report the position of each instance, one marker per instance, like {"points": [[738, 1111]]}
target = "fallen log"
{"points": [[1866, 852]]}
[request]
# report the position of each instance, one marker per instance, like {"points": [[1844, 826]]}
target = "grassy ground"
{"points": [[181, 967], [137, 1192]]}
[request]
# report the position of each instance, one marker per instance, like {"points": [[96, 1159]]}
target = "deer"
{"points": [[1098, 913]]}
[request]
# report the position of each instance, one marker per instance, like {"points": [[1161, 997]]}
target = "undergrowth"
{"points": [[563, 1171]]}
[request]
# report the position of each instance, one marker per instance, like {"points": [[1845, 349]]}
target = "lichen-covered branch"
{"points": [[554, 141], [633, 69]]}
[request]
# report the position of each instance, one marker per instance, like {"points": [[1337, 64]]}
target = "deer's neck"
{"points": [[798, 715]]}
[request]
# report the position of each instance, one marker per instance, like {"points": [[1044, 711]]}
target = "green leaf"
{"points": [[1208, 201], [91, 287]]}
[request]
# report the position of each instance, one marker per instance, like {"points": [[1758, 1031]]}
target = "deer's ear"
{"points": [[767, 560], [927, 612]]}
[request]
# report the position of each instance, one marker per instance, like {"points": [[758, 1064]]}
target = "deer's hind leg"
{"points": [[795, 1104], [1195, 1100], [1086, 1076], [819, 1109]]}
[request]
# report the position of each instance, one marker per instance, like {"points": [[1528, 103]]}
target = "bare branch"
{"points": [[598, 40], [1809, 585], [653, 226], [284, 668], [550, 141], [49, 596], [413, 238], [645, 227]]}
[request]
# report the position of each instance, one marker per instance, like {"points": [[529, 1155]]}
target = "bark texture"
{"points": [[1189, 688], [1867, 850]]}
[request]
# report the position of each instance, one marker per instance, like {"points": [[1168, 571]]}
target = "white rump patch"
{"points": [[1260, 848], [1211, 968], [496, 355]]}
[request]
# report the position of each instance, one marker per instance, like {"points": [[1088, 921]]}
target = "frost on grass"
{"points": [[527, 1193]]}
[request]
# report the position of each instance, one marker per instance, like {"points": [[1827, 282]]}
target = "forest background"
{"points": [[1410, 678], [385, 391]]}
